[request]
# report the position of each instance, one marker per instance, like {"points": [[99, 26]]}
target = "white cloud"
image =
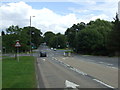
{"points": [[91, 1], [106, 8], [45, 19], [119, 10], [14, 14], [102, 16]]}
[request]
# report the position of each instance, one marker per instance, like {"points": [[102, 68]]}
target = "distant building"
{"points": [[119, 10]]}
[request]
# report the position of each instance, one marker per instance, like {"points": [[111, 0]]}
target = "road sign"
{"points": [[17, 44]]}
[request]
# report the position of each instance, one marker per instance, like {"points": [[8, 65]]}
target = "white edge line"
{"points": [[112, 67], [74, 69], [103, 83], [78, 71]]}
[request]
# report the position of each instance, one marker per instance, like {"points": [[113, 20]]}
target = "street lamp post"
{"points": [[30, 34]]}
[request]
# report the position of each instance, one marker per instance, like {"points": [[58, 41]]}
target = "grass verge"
{"points": [[18, 74]]}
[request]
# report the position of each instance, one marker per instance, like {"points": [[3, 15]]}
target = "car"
{"points": [[54, 49], [43, 54], [51, 48]]}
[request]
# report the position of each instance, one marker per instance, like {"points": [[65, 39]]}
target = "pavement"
{"points": [[57, 71]]}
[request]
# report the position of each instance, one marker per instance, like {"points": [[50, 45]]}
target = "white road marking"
{"points": [[112, 67], [109, 64], [103, 83], [69, 84], [101, 62], [72, 68], [63, 58], [78, 71], [68, 65], [43, 60], [55, 58]]}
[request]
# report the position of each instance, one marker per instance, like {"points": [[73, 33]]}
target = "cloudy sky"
{"points": [[55, 15]]}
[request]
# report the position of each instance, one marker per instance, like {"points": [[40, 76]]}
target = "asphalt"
{"points": [[54, 75], [103, 60], [53, 71]]}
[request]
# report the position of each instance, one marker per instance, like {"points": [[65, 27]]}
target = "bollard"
{"points": [[69, 54]]}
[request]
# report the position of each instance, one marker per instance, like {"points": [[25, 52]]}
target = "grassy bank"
{"points": [[18, 74]]}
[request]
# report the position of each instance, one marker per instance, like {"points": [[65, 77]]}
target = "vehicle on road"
{"points": [[51, 48], [54, 49], [43, 54]]}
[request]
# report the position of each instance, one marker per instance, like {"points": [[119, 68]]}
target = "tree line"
{"points": [[99, 37], [29, 37]]}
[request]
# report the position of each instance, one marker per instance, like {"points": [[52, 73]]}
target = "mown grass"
{"points": [[18, 74]]}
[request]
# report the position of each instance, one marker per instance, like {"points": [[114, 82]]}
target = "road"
{"points": [[57, 71]]}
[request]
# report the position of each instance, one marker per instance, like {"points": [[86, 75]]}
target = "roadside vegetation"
{"points": [[18, 74], [27, 36], [99, 37]]}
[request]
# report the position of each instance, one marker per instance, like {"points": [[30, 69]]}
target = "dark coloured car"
{"points": [[43, 54]]}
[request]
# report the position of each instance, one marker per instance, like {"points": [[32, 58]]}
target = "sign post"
{"points": [[17, 45]]}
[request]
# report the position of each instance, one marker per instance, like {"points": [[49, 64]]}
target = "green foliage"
{"points": [[71, 33], [89, 38], [14, 33], [13, 30], [89, 41], [8, 41], [68, 51], [113, 42], [58, 41], [3, 33], [36, 38], [98, 37], [47, 37]]}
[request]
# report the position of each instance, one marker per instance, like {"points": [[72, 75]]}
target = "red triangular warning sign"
{"points": [[17, 44]]}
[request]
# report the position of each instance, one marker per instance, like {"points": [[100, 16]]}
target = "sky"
{"points": [[54, 15]]}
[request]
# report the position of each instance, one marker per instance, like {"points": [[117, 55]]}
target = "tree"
{"points": [[36, 38], [47, 37], [3, 33], [8, 41], [58, 41], [13, 30], [90, 38], [113, 42], [88, 41], [23, 35], [71, 33]]}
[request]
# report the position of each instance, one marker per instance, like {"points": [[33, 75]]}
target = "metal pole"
{"points": [[30, 21], [30, 34], [18, 53]]}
